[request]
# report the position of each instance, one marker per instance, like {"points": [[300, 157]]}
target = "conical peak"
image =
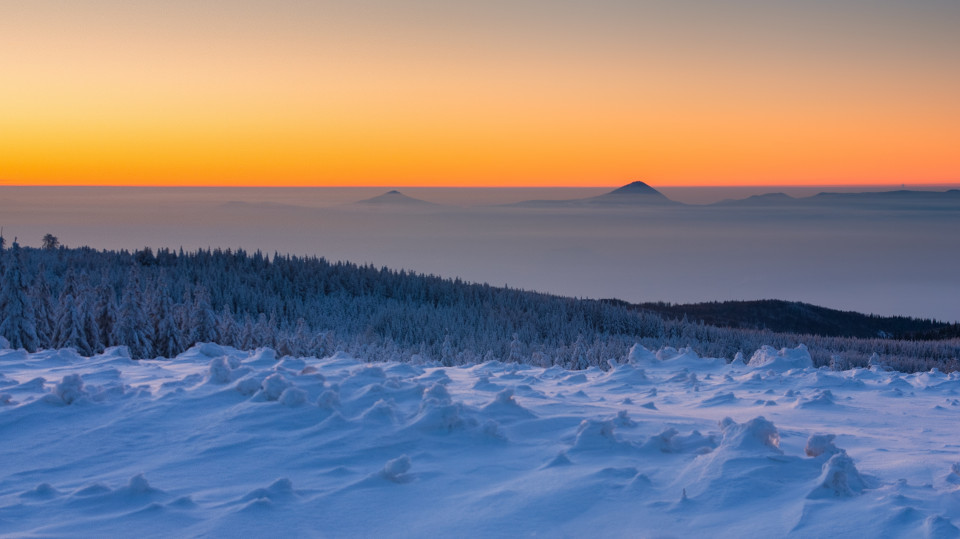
{"points": [[635, 188]]}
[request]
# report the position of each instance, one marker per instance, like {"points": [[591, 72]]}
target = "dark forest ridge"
{"points": [[797, 317]]}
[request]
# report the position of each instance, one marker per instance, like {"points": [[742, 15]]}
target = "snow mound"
{"points": [[626, 375], [669, 353], [954, 476], [505, 405], [43, 491], [823, 397], [138, 485], [758, 434], [70, 388], [383, 412], [4, 343], [273, 386], [278, 491], [210, 349], [720, 399], [783, 360], [839, 479], [248, 386], [292, 396], [623, 419], [442, 417], [439, 413], [640, 355], [821, 444], [220, 371], [484, 384], [596, 435], [937, 526], [671, 441], [560, 460], [395, 470], [329, 399], [437, 394]]}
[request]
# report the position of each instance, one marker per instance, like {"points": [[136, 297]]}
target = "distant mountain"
{"points": [[768, 199], [633, 194], [634, 188], [891, 199], [396, 199], [886, 200]]}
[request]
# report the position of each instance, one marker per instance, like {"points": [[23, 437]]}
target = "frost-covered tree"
{"points": [[166, 336], [19, 323], [516, 351], [578, 355], [50, 242], [105, 313], [311, 306], [203, 320], [448, 357], [70, 327], [42, 298], [227, 331], [131, 326]]}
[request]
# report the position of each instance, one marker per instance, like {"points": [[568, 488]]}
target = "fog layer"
{"points": [[852, 254]]}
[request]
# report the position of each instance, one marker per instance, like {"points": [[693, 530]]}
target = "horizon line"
{"points": [[397, 186]]}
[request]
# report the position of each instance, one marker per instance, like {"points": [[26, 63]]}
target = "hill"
{"points": [[797, 317], [397, 199]]}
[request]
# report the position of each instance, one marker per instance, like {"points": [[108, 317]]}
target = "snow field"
{"points": [[219, 442]]}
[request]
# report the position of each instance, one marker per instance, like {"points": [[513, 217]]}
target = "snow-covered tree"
{"points": [[42, 298], [70, 327], [130, 328], [19, 323]]}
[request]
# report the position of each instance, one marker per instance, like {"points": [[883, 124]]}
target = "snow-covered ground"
{"points": [[218, 442]]}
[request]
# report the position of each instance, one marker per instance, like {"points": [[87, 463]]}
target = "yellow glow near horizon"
{"points": [[257, 93]]}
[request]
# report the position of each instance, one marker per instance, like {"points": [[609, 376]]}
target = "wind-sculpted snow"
{"points": [[223, 443]]}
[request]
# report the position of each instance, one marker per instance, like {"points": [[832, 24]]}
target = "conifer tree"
{"points": [[130, 328], [203, 321], [70, 330], [105, 314], [42, 298], [19, 324]]}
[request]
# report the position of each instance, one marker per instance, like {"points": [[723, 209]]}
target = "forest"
{"points": [[160, 303]]}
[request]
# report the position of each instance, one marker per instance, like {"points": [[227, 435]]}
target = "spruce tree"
{"points": [[19, 323], [42, 299], [129, 329]]}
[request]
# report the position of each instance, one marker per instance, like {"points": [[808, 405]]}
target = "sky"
{"points": [[498, 93]]}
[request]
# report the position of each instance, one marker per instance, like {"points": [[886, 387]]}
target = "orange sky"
{"points": [[522, 93]]}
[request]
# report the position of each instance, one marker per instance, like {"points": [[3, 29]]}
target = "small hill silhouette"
{"points": [[395, 198]]}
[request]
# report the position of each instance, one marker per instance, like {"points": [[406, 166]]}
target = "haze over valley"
{"points": [[890, 253]]}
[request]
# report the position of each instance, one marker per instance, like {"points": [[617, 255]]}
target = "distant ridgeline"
{"points": [[160, 303]]}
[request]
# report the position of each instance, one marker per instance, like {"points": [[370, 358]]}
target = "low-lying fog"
{"points": [[853, 254]]}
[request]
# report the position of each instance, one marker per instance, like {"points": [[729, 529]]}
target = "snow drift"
{"points": [[219, 442]]}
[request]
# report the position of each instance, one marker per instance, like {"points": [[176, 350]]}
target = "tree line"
{"points": [[159, 303]]}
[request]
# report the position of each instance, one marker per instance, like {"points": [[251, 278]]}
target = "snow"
{"points": [[220, 442]]}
